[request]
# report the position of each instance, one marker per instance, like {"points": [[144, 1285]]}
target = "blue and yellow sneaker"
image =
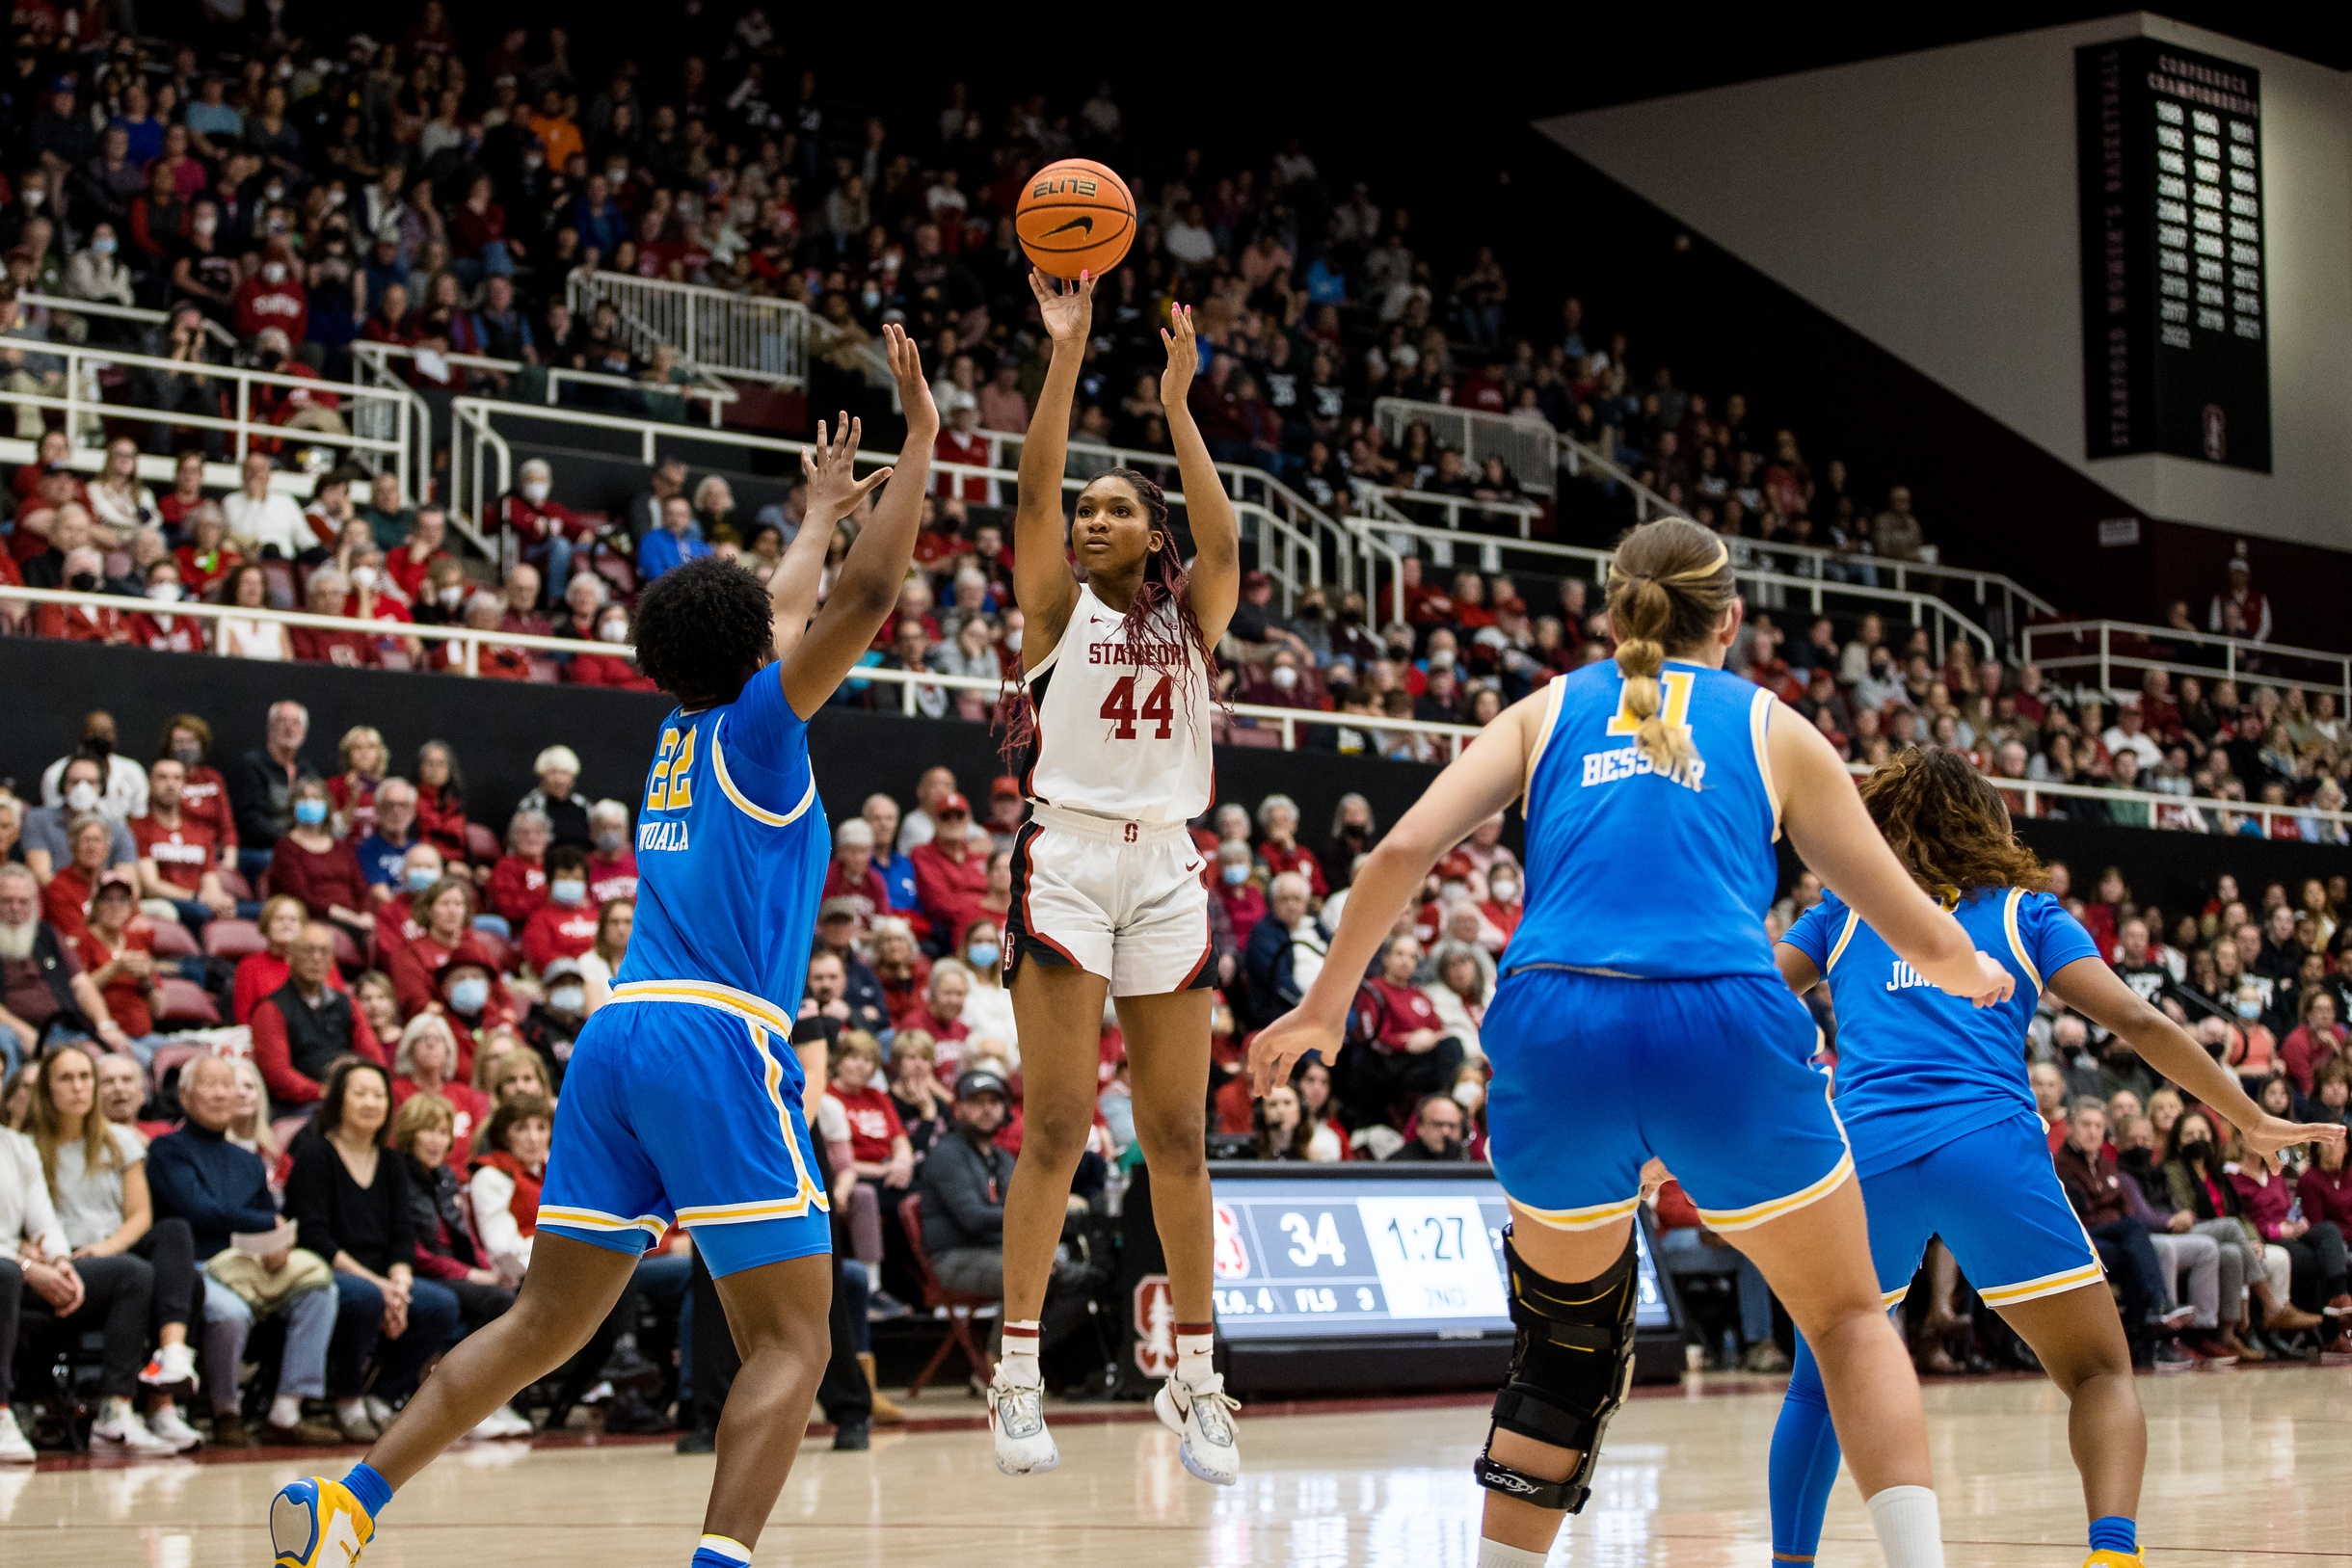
{"points": [[2114, 1559], [315, 1523]]}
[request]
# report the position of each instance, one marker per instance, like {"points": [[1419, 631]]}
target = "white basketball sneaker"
{"points": [[1016, 1421], [1202, 1414]]}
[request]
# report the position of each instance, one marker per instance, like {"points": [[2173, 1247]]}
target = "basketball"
{"points": [[1075, 216]]}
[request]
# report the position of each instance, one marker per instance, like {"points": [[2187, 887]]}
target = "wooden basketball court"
{"points": [[2243, 1468]]}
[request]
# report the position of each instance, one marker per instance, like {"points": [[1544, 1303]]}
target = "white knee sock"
{"points": [[1495, 1555], [1910, 1533]]}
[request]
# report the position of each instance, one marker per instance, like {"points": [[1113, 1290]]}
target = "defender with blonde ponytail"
{"points": [[1638, 999], [1935, 1097]]}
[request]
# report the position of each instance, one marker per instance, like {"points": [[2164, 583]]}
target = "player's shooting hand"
{"points": [[1183, 343], [914, 392], [1066, 307], [830, 469], [1278, 1048]]}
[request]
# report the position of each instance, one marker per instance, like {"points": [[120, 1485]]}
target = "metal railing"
{"points": [[743, 336], [1530, 448], [85, 409], [1408, 502], [375, 361], [59, 304], [1287, 721], [2173, 814], [2109, 646]]}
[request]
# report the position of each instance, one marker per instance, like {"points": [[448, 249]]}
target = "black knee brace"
{"points": [[1569, 1370]]}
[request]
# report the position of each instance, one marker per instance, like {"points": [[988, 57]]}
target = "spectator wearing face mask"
{"points": [[545, 531], [565, 926], [122, 785], [397, 924], [84, 571], [606, 665], [472, 1002], [43, 832], [612, 866], [554, 1023], [312, 865]]}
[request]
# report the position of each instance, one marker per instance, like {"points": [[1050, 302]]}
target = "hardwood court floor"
{"points": [[2251, 1467]]}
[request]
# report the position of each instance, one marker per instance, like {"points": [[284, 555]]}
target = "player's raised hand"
{"points": [[1279, 1046], [830, 468], [1183, 343], [1067, 307], [914, 392]]}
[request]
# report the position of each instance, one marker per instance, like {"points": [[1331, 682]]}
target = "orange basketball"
{"points": [[1075, 216]]}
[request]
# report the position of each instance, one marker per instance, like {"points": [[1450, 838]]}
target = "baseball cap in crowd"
{"points": [[838, 909], [1255, 579], [982, 1081], [1005, 785], [951, 804]]}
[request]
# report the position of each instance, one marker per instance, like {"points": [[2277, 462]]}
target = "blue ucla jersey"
{"points": [[732, 845], [1632, 872], [1916, 1067]]}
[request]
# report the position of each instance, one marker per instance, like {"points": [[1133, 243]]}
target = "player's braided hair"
{"points": [[702, 629], [1165, 580], [1946, 823], [1668, 585]]}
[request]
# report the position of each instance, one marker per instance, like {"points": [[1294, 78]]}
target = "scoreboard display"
{"points": [[1338, 1256], [2176, 322]]}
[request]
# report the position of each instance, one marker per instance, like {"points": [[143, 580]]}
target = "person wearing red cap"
{"points": [[949, 877]]}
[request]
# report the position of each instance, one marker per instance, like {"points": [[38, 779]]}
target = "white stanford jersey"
{"points": [[1121, 731]]}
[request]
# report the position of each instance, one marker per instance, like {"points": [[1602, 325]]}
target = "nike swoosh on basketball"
{"points": [[1085, 224]]}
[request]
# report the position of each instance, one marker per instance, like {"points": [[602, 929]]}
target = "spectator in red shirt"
{"points": [[258, 974], [565, 926], [312, 865], [441, 801], [396, 920], [427, 1057], [615, 669], [161, 630], [486, 611], [852, 875], [1282, 851], [519, 881], [612, 866], [409, 563], [2315, 1040], [85, 572], [476, 1004], [120, 960], [300, 1028], [444, 912], [273, 296], [205, 796], [328, 594], [940, 1011], [65, 902], [962, 443], [544, 529], [1235, 888], [178, 855], [1409, 1057], [207, 556], [950, 877]]}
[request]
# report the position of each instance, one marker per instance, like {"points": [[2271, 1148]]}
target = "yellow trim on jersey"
{"points": [[1756, 1214], [743, 1212], [2048, 1284], [758, 813], [810, 1191], [1543, 737], [744, 1004], [2017, 946], [1759, 731], [1887, 1298], [593, 1219], [1854, 919], [1581, 1219]]}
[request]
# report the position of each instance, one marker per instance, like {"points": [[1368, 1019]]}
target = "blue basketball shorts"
{"points": [[683, 1101], [1993, 1197], [1595, 1075]]}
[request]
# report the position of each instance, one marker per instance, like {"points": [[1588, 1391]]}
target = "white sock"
{"points": [[114, 1409], [1495, 1555], [1195, 1357], [350, 1410], [285, 1410], [1019, 1361], [1910, 1533]]}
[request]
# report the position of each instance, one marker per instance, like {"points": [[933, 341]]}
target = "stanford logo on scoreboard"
{"points": [[1155, 1327]]}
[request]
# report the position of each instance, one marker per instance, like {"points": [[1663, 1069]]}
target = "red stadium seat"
{"points": [[960, 1305], [233, 938], [285, 1128], [481, 844], [497, 949], [617, 570], [172, 940], [184, 1001], [546, 671], [170, 1059], [233, 883], [347, 951]]}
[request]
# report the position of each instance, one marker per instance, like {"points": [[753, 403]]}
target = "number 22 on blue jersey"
{"points": [[672, 789]]}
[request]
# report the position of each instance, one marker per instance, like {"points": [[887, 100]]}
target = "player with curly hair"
{"points": [[1947, 1141], [683, 1100]]}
